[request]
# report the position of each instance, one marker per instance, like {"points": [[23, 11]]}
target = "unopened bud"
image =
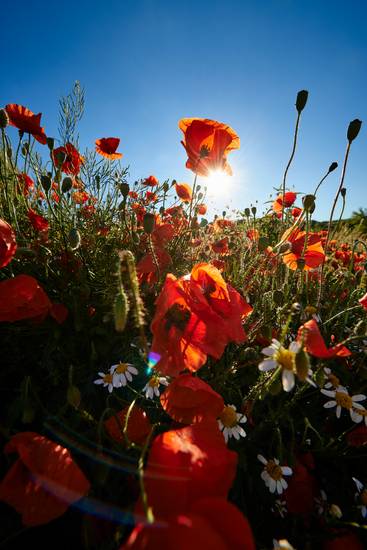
{"points": [[4, 119], [121, 310], [46, 183], [74, 238], [60, 157], [247, 212], [254, 210], [124, 189], [335, 511], [50, 143], [285, 247], [301, 100], [73, 396], [353, 129], [165, 187], [302, 364], [333, 166], [67, 184], [278, 297], [343, 192], [149, 223], [309, 203]]}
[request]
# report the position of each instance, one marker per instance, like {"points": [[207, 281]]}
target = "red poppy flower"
{"points": [[80, 197], [201, 209], [44, 481], [301, 492], [189, 399], [207, 143], [72, 159], [363, 301], [107, 148], [8, 244], [296, 212], [184, 191], [357, 437], [252, 234], [314, 254], [138, 427], [186, 465], [289, 198], [151, 181], [26, 121], [26, 182], [211, 523], [22, 298], [59, 312], [150, 197], [133, 194], [147, 266], [39, 223], [221, 246], [314, 343]]}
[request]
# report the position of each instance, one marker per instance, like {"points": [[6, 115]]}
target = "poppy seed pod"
{"points": [[353, 129], [60, 157], [149, 223], [301, 100], [247, 212], [278, 297], [254, 210], [74, 238], [50, 143], [4, 119], [124, 188], [333, 166], [46, 183], [67, 184], [343, 192], [309, 203]]}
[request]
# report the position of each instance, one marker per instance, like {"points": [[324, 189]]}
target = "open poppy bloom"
{"points": [[26, 121], [314, 343], [44, 481], [148, 266], [184, 191], [186, 465], [39, 223], [289, 198], [8, 244], [211, 523], [207, 143], [26, 184], [363, 301], [107, 148], [68, 158], [138, 426], [314, 254], [151, 181], [22, 298], [189, 399]]}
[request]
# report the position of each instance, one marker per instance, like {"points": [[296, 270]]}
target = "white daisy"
{"points": [[122, 373], [332, 380], [151, 389], [229, 423], [272, 474], [106, 379], [361, 495], [342, 400], [278, 356]]}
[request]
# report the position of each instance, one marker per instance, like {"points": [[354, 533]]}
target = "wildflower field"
{"points": [[168, 380]]}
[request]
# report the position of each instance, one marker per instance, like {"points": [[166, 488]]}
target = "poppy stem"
{"points": [[290, 160], [192, 198]]}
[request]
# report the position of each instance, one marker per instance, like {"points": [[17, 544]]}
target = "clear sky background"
{"points": [[147, 63]]}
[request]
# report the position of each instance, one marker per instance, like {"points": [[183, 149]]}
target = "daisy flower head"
{"points": [[282, 544], [122, 373], [229, 423], [332, 381], [151, 389], [279, 356], [342, 400], [273, 473], [361, 496], [106, 379]]}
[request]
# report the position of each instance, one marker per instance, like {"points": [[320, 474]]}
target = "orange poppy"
{"points": [[138, 427], [207, 143], [201, 209], [22, 298], [314, 254], [184, 191], [107, 148], [314, 343], [8, 244], [189, 399], [151, 181], [26, 121], [44, 481], [39, 223], [289, 198], [72, 159]]}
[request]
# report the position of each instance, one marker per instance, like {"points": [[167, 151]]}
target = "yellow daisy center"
{"points": [[228, 417], [334, 380], [121, 368], [274, 470], [153, 383], [107, 378], [285, 358], [343, 400]]}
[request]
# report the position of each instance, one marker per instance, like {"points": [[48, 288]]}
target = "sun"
{"points": [[218, 183]]}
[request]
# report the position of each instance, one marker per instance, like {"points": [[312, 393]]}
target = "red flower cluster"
{"points": [[196, 316], [44, 481]]}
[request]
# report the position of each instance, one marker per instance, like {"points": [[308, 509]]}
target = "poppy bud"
{"points": [[60, 157], [343, 192], [335, 511], [254, 210], [285, 247], [73, 396], [46, 183], [247, 212], [309, 203], [278, 297], [224, 214], [67, 184], [74, 238], [121, 310], [296, 307], [50, 143], [353, 129], [149, 223], [263, 243], [28, 413], [4, 119], [165, 187], [302, 364], [200, 196], [333, 166], [124, 188], [301, 262], [301, 100]]}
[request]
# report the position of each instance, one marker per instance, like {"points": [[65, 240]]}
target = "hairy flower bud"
{"points": [[4, 119], [149, 223], [309, 203], [301, 100], [353, 129]]}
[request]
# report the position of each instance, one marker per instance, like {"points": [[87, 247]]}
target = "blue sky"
{"points": [[147, 63]]}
